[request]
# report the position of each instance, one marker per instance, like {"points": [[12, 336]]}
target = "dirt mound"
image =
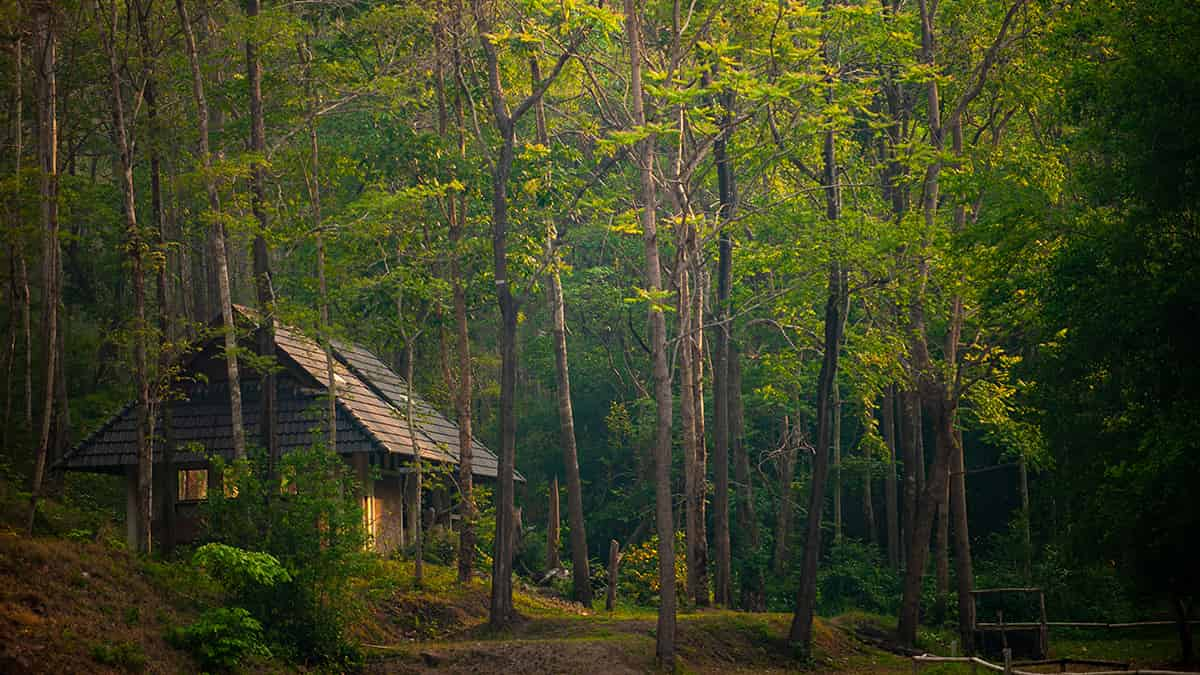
{"points": [[70, 606]]}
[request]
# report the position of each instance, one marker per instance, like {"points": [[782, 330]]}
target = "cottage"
{"points": [[373, 434]]}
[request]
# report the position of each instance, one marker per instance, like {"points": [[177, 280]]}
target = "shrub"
{"points": [[221, 638], [311, 524], [854, 576], [127, 656], [638, 578]]}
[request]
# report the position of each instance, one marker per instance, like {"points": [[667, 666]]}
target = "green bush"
{"points": [[854, 576], [638, 579], [221, 638], [127, 656], [311, 523]]}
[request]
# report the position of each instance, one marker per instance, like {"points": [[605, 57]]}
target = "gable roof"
{"points": [[371, 412]]}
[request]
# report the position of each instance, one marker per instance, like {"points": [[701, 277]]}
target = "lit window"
{"points": [[193, 485]]}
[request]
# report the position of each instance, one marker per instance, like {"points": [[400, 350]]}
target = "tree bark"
{"points": [[665, 636], [418, 532], [217, 238], [888, 420], [264, 289], [135, 246], [552, 520], [456, 215], [313, 182], [169, 481], [580, 574], [868, 497], [753, 596], [963, 567], [48, 151], [727, 194], [835, 311], [785, 467], [836, 412], [614, 559]]}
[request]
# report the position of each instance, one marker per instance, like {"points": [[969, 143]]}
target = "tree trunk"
{"points": [[785, 467], [835, 308], [665, 636], [135, 246], [580, 574], [263, 287], [418, 532], [27, 332], [313, 182], [614, 559], [963, 568], [941, 546], [48, 151], [217, 239], [908, 455], [169, 483], [456, 215], [726, 190], [868, 504], [696, 338], [836, 412], [1182, 610], [552, 520], [753, 596]]}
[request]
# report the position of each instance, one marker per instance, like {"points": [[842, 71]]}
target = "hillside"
{"points": [[71, 606]]}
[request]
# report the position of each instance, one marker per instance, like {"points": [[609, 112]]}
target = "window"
{"points": [[193, 485]]}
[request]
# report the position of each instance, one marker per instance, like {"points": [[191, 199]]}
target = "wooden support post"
{"points": [[614, 559], [1008, 668], [1003, 631]]}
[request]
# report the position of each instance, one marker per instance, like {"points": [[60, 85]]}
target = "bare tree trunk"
{"points": [[836, 412], [313, 182], [135, 246], [805, 599], [727, 194], [1023, 486], [419, 531], [456, 214], [580, 574], [785, 467], [753, 596], [263, 286], [835, 313], [963, 568], [941, 546], [48, 151], [868, 504], [27, 332], [162, 396], [665, 636], [890, 493], [217, 238], [696, 339], [908, 456], [552, 520]]}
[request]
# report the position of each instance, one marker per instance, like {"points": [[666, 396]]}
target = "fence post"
{"points": [[1007, 661]]}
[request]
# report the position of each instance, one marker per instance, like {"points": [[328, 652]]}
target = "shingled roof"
{"points": [[371, 412]]}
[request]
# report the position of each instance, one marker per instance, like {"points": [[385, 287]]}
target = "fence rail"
{"points": [[1008, 669]]}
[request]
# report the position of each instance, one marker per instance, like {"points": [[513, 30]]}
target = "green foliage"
{"points": [[240, 571], [289, 550], [855, 576], [222, 638], [127, 656], [639, 581]]}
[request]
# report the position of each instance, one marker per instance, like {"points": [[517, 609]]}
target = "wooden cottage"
{"points": [[372, 432]]}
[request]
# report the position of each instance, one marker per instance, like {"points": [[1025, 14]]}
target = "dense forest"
{"points": [[809, 306]]}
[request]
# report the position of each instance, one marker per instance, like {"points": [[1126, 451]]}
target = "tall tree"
{"points": [[47, 36], [135, 247], [665, 636], [216, 233]]}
